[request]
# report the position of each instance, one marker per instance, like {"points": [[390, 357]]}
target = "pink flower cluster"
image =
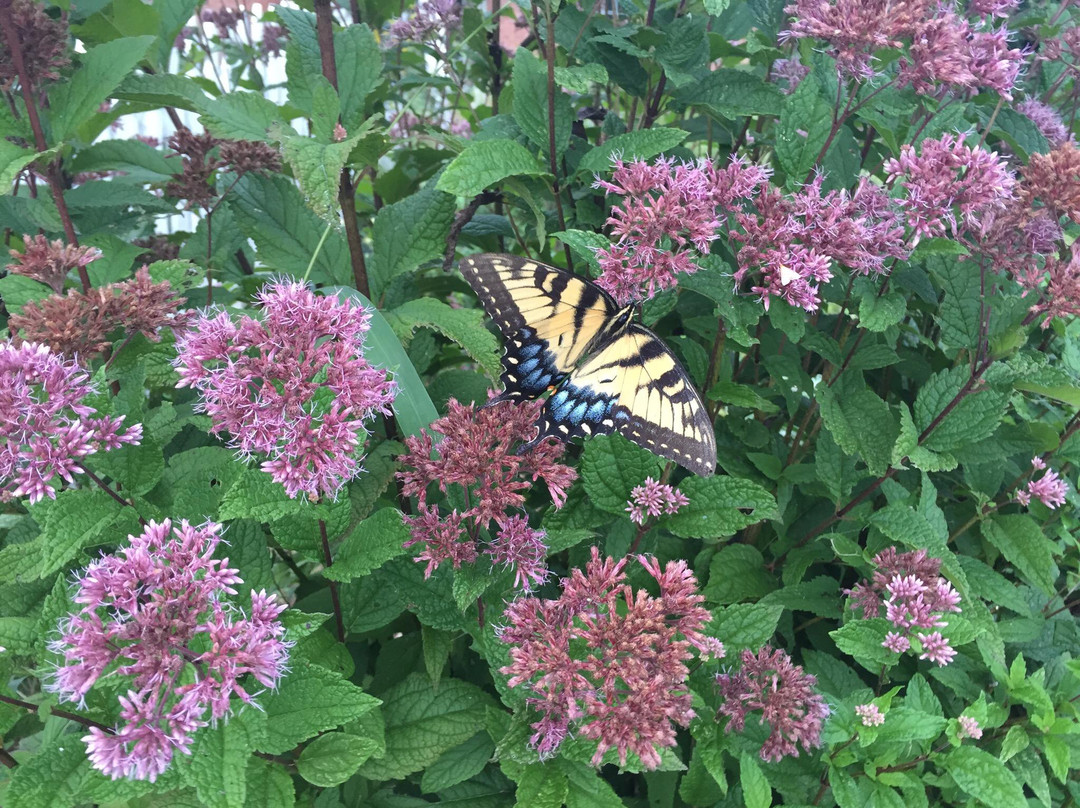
{"points": [[793, 240], [914, 596], [46, 430], [429, 18], [294, 387], [652, 498], [969, 728], [608, 660], [668, 210], [870, 715], [947, 50], [478, 454], [1060, 297], [1046, 119], [949, 186], [1049, 489], [769, 681], [154, 613]]}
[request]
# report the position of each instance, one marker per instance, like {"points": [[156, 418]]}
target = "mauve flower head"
{"points": [[949, 186], [44, 44], [914, 596], [669, 212], [969, 728], [156, 612], [1052, 181], [769, 681], [46, 430], [274, 39], [610, 661], [870, 715], [856, 28], [49, 262], [478, 455], [430, 17], [993, 8], [1049, 489], [1047, 119], [652, 498], [791, 72], [293, 389]]}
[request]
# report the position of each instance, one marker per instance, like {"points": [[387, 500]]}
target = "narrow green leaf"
{"points": [[757, 792]]}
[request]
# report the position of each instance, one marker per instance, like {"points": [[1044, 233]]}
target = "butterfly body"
{"points": [[605, 373]]}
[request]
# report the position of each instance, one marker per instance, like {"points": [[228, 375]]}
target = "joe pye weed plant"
{"points": [[268, 539]]}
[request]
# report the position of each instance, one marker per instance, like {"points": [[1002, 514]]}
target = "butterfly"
{"points": [[566, 336]]}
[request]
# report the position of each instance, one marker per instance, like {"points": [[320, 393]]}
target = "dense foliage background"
{"points": [[878, 302]]}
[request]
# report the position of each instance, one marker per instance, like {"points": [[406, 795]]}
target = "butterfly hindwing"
{"points": [[635, 386], [550, 319], [564, 333]]}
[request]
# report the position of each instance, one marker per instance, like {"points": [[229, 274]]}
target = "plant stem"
{"points": [[101, 484], [334, 598], [318, 249], [553, 160], [78, 719]]}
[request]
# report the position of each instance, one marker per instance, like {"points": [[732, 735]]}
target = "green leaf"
{"points": [[409, 233], [819, 596], [531, 104], [803, 129], [412, 404], [272, 213], [880, 312], [163, 90], [437, 645], [53, 778], [974, 418], [860, 422], [757, 792], [641, 144], [959, 316], [309, 700], [733, 94], [907, 446], [240, 116], [720, 506], [486, 162], [1023, 543], [317, 167], [1020, 132], [268, 785], [255, 495], [138, 468], [423, 722], [130, 156], [76, 520], [542, 785], [359, 70], [581, 78], [369, 545], [101, 70], [611, 466], [458, 764], [18, 635], [903, 724], [863, 640], [13, 159], [217, 768], [984, 777], [745, 625], [333, 758], [586, 789], [737, 572], [463, 326]]}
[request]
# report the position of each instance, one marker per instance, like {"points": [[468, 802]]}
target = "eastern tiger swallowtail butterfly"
{"points": [[605, 373]]}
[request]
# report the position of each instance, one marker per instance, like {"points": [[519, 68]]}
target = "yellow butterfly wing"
{"points": [[634, 385]]}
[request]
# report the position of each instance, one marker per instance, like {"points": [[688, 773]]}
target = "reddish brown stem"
{"points": [[78, 719], [334, 598]]}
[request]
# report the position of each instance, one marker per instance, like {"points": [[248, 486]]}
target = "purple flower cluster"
{"points": [[870, 715], [668, 210], [652, 498], [791, 241], [294, 388], [769, 681], [913, 594], [608, 660], [1046, 119], [45, 428], [429, 18], [1049, 489], [969, 728], [154, 612], [477, 454], [949, 186]]}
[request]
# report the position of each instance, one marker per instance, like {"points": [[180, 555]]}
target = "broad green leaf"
{"points": [[18, 634], [463, 326], [431, 599], [409, 233], [423, 722], [820, 596], [13, 159], [975, 417], [863, 640], [333, 758], [745, 625], [803, 129], [639, 145], [1024, 545], [531, 104], [412, 405], [217, 768], [255, 495], [486, 162], [131, 156], [733, 94], [286, 232], [959, 316], [163, 90], [437, 645], [317, 167], [78, 519], [268, 785], [580, 78], [880, 312], [756, 789], [720, 506], [52, 778], [860, 422], [458, 764], [137, 468], [737, 572], [1021, 133], [984, 777], [240, 116], [359, 70], [310, 699], [101, 70], [611, 466], [904, 724], [542, 785], [369, 545], [586, 789]]}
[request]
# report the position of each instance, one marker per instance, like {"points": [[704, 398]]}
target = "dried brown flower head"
{"points": [[44, 45], [49, 262], [158, 248], [1054, 180], [249, 155], [195, 181]]}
